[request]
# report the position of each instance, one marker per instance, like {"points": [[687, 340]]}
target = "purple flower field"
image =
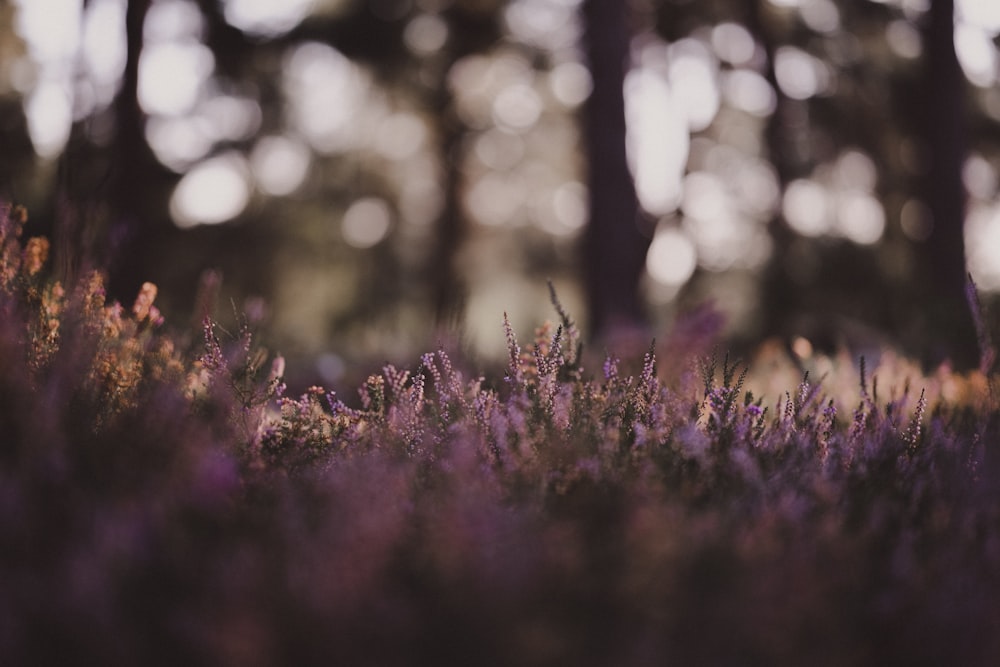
{"points": [[163, 501]]}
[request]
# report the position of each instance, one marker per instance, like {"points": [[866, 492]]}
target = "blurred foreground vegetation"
{"points": [[163, 501]]}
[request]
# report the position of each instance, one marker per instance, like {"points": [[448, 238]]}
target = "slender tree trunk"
{"points": [[614, 244], [129, 237], [471, 33], [779, 296], [447, 287], [948, 324]]}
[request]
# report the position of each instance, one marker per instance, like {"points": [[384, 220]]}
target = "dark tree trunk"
{"points": [[471, 33], [130, 234], [614, 244], [948, 324], [780, 297]]}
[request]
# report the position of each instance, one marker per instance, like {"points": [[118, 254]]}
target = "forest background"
{"points": [[368, 175]]}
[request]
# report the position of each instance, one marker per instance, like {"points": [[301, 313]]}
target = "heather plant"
{"points": [[170, 503]]}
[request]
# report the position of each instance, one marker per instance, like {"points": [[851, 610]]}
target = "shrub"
{"points": [[160, 505]]}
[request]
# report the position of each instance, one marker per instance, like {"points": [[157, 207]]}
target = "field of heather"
{"points": [[163, 500]]}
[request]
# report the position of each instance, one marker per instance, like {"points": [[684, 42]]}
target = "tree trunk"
{"points": [[614, 244], [948, 323], [130, 232]]}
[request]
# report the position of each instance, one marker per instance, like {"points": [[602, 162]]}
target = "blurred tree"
{"points": [[947, 322], [615, 241], [874, 100]]}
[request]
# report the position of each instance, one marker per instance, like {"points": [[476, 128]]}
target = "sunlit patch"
{"points": [[657, 140], [325, 91], [400, 135], [749, 91], [860, 217], [425, 33], [805, 207], [172, 75], [280, 164], [266, 18], [976, 54], [671, 259], [50, 116], [366, 222], [904, 39], [733, 43], [214, 191], [982, 245], [800, 75], [571, 83]]}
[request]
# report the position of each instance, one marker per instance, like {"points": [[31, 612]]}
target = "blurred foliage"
{"points": [[453, 125]]}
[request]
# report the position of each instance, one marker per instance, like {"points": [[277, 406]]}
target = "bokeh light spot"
{"points": [[171, 76], [178, 142], [904, 39], [805, 207], [820, 15], [104, 46], [325, 90], [569, 202], [212, 192], [800, 75], [517, 107], [980, 177], [400, 135], [976, 54], [733, 43], [366, 222], [671, 259], [280, 164], [266, 18], [49, 118], [984, 14], [749, 91], [693, 80], [50, 28], [860, 217], [425, 34], [982, 245], [657, 140], [571, 83]]}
